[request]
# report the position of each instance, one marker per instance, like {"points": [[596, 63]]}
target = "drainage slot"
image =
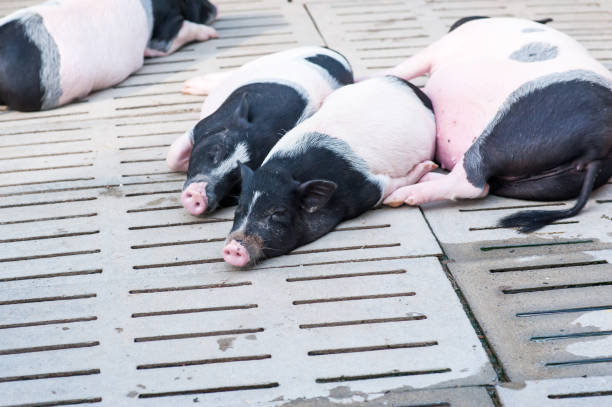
{"points": [[52, 275], [50, 255], [60, 403], [500, 208], [49, 348], [163, 133], [14, 222], [159, 208], [475, 229], [192, 310], [345, 229], [569, 336], [372, 348], [192, 287], [48, 202], [337, 249], [348, 275], [198, 335], [46, 299], [580, 395], [580, 362], [548, 266], [47, 182], [555, 287], [25, 239], [186, 242], [170, 191], [59, 167], [51, 322], [178, 264], [363, 322], [203, 362], [520, 246], [209, 390], [42, 131], [49, 375], [168, 225], [380, 375], [19, 157], [355, 298], [564, 311]]}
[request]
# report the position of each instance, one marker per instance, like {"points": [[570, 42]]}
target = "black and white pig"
{"points": [[522, 111], [367, 140], [246, 112], [61, 50]]}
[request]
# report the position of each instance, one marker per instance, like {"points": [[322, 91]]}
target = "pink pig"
{"points": [[522, 111], [59, 51]]}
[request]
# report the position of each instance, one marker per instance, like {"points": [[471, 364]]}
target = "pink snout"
{"points": [[236, 254], [194, 198]]}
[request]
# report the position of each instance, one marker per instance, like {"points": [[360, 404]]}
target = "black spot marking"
{"points": [[535, 52], [336, 69], [464, 20], [422, 96], [20, 65]]}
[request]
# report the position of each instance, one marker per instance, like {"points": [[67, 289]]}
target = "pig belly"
{"points": [[100, 42]]}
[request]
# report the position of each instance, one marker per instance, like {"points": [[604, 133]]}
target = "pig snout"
{"points": [[194, 198], [236, 254]]}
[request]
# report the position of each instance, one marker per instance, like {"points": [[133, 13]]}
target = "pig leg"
{"points": [[189, 32], [413, 67], [203, 85], [453, 186], [179, 152], [413, 176]]}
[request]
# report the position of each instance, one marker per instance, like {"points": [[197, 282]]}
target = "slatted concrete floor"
{"points": [[111, 294]]}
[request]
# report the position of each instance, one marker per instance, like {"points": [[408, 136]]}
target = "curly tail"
{"points": [[529, 221]]}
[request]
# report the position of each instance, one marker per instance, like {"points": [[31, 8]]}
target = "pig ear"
{"points": [[314, 194], [246, 173], [241, 114], [179, 152]]}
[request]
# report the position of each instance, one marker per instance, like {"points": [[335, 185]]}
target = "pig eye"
{"points": [[215, 155], [279, 215]]}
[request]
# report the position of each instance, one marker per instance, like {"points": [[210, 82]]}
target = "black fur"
{"points": [[258, 114], [333, 67], [529, 221], [169, 15], [417, 91], [464, 20], [20, 86], [540, 147], [281, 220]]}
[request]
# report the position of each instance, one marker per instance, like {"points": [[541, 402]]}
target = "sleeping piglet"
{"points": [[522, 111], [246, 112], [367, 140], [61, 50]]}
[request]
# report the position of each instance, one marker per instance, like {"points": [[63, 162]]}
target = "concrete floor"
{"points": [[111, 294]]}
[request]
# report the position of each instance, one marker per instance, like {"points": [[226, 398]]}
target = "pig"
{"points": [[246, 112], [61, 50], [367, 140], [522, 111]]}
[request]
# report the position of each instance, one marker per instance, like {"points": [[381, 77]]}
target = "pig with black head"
{"points": [[245, 114], [522, 111], [61, 50], [367, 140]]}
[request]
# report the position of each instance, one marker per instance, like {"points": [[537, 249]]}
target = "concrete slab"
{"points": [[545, 316]]}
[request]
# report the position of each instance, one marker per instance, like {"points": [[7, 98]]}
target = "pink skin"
{"points": [[179, 153], [236, 254], [465, 107], [189, 32], [194, 198]]}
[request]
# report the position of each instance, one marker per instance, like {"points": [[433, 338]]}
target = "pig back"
{"points": [[100, 42], [475, 68]]}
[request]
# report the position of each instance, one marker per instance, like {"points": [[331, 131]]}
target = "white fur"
{"points": [[240, 154], [287, 67], [387, 127]]}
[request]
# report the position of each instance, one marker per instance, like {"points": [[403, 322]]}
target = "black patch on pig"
{"points": [[335, 69], [538, 146], [257, 114], [169, 15], [281, 217], [464, 20], [20, 66], [417, 91], [535, 52]]}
